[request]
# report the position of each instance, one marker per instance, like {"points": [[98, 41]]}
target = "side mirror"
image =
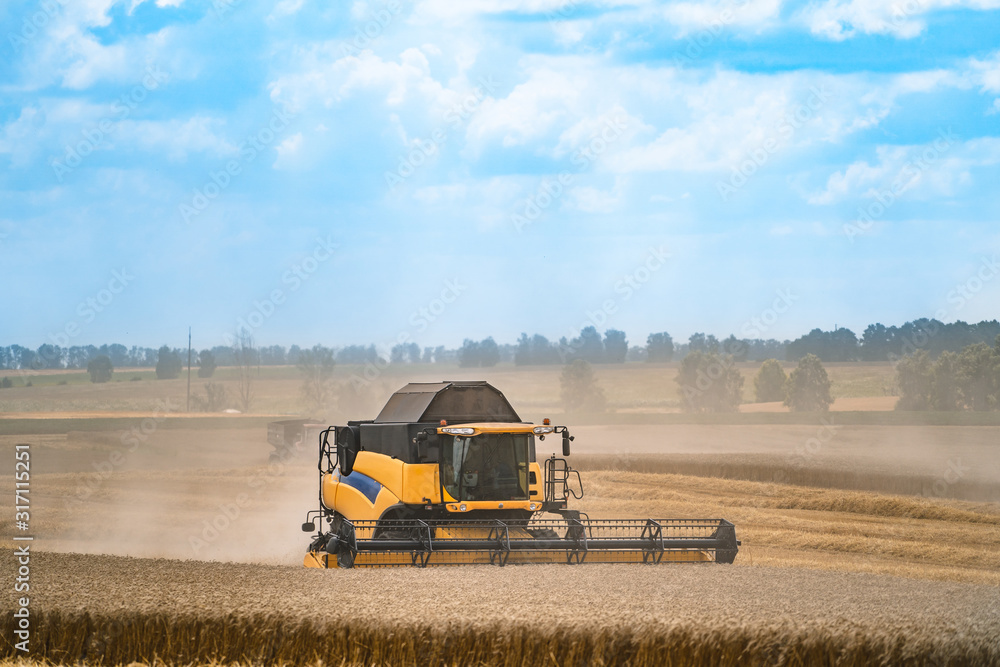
{"points": [[347, 449], [308, 527], [426, 444], [567, 438]]}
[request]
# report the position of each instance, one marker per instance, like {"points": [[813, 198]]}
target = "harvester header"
{"points": [[447, 474]]}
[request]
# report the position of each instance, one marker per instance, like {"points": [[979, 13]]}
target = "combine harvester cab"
{"points": [[446, 474]]}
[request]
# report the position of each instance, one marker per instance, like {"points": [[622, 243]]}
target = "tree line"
{"points": [[877, 343], [967, 380], [709, 381]]}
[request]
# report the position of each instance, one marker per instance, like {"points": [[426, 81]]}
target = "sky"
{"points": [[431, 171]]}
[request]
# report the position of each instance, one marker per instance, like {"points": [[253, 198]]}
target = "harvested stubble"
{"points": [[116, 610], [847, 475]]}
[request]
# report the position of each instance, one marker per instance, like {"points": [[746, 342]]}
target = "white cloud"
{"points": [[935, 169], [289, 151], [530, 111], [67, 53], [842, 19], [450, 12], [286, 8], [721, 15], [441, 194], [176, 138], [987, 72], [589, 199], [329, 78]]}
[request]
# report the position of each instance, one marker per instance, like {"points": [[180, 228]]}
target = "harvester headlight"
{"points": [[541, 430], [532, 507], [462, 507], [459, 431]]}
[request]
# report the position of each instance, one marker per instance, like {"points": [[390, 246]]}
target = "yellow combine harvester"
{"points": [[446, 474]]}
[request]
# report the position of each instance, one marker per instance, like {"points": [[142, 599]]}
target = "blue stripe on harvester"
{"points": [[363, 483]]}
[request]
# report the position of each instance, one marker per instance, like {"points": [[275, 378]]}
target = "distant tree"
{"points": [[273, 355], [247, 367], [809, 386], [945, 394], [579, 390], [535, 351], [615, 346], [48, 356], [6, 383], [978, 375], [587, 346], [357, 354], [118, 354], [468, 354], [770, 383], [405, 353], [710, 383], [697, 343], [489, 353], [738, 349], [878, 342], [100, 368], [636, 353], [215, 400], [168, 364], [838, 345], [398, 354], [316, 366], [206, 364], [483, 353], [915, 378], [659, 347]]}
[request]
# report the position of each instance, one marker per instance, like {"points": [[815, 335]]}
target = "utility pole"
{"points": [[189, 372]]}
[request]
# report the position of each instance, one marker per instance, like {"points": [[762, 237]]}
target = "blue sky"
{"points": [[434, 171]]}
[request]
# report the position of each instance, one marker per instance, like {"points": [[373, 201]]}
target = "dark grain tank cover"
{"points": [[455, 401]]}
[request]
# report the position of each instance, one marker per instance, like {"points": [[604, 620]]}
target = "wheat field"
{"points": [[862, 544], [117, 610]]}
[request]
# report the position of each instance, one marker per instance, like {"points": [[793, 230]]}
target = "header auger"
{"points": [[446, 475]]}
